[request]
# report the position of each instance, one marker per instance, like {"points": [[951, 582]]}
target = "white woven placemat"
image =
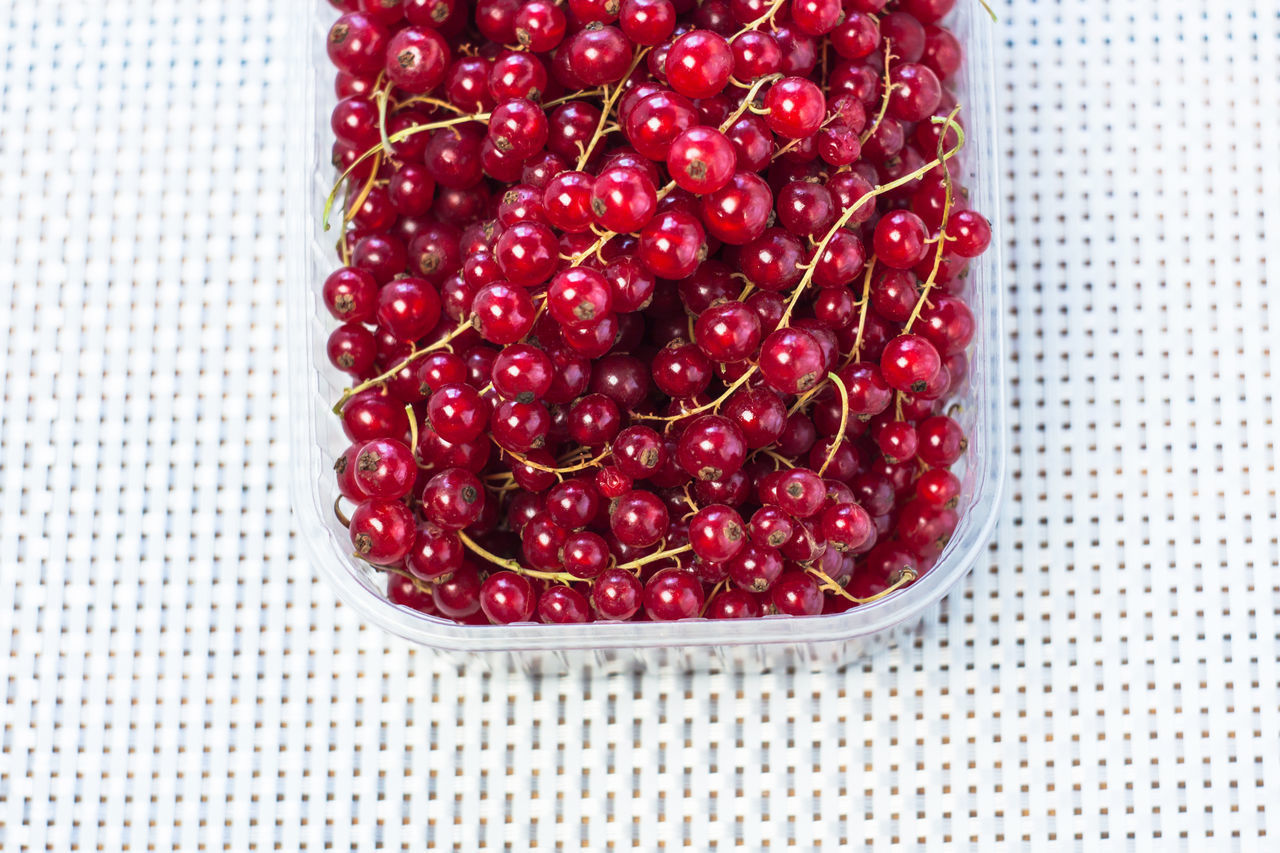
{"points": [[175, 680]]}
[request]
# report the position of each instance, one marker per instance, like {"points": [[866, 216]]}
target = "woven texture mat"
{"points": [[175, 679]]}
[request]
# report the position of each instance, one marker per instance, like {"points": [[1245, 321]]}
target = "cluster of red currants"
{"points": [[653, 305]]}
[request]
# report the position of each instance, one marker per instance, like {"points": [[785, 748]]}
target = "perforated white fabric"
{"points": [[174, 680]]}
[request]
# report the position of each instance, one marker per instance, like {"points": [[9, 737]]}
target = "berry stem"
{"points": [[563, 577], [408, 359], [381, 95], [606, 110], [844, 421], [715, 590], [747, 100], [758, 22], [353, 207], [888, 90], [567, 470], [418, 583], [942, 231], [435, 102], [829, 584], [659, 555], [576, 96], [398, 136]]}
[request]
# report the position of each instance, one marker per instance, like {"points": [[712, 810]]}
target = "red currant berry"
{"points": [[639, 519], [699, 64], [458, 596], [672, 244], [599, 57], [352, 348], [540, 25], [738, 212], [755, 568], [357, 44], [796, 593], [968, 233], [900, 239], [616, 595], [941, 441], [623, 199], [507, 597], [385, 468], [502, 313], [733, 604], [711, 448], [562, 605], [453, 499], [371, 414], [910, 363], [382, 531], [436, 553], [673, 594], [791, 360], [417, 59], [795, 107], [716, 533], [701, 160]]}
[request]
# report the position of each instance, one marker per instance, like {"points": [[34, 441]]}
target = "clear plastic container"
{"points": [[816, 641]]}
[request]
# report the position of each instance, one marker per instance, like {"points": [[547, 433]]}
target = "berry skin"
{"points": [[507, 597], [408, 308], [846, 526], [673, 594], [382, 531], [759, 413], [910, 363], [738, 212], [796, 594], [796, 107], [403, 591], [357, 44], [639, 452], [711, 448], [791, 360], [518, 127], [502, 313], [727, 332], [733, 604], [540, 25], [385, 468], [699, 64], [351, 295], [616, 595], [453, 499], [942, 442], [457, 413], [623, 199], [436, 553], [417, 58], [900, 239], [716, 533], [458, 596], [639, 519], [755, 568], [968, 233], [579, 297], [672, 244], [701, 160], [562, 605]]}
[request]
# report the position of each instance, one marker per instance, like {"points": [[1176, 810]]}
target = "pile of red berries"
{"points": [[652, 305]]}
